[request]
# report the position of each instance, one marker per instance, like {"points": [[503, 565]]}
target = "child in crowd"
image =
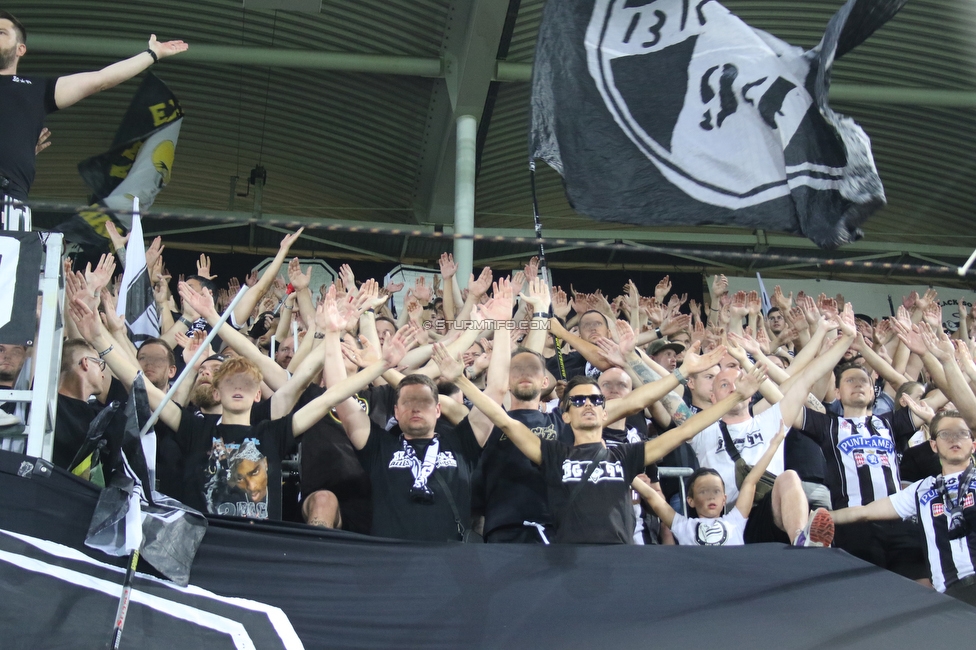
{"points": [[706, 494]]}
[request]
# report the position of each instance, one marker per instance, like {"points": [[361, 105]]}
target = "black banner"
{"points": [[341, 590], [675, 112], [20, 270]]}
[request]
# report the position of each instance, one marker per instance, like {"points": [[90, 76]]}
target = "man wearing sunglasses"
{"points": [[589, 484], [945, 505]]}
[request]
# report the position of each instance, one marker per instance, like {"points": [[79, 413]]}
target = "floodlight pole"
{"points": [[464, 179]]}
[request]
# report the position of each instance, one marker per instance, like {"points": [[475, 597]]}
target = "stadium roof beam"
{"points": [[439, 67], [471, 41]]}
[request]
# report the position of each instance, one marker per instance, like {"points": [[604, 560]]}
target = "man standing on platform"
{"points": [[26, 101]]}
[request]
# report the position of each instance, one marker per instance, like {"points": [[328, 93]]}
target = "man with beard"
{"points": [[26, 101], [598, 476]]}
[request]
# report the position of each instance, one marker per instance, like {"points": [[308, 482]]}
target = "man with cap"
{"points": [[665, 353]]}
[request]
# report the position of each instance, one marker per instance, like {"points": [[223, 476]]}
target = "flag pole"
{"points": [[126, 595], [196, 356], [537, 222]]}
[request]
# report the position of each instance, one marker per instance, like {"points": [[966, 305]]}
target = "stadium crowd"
{"points": [[512, 411]]}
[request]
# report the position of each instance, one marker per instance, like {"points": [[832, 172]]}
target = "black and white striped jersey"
{"points": [[861, 463], [949, 559]]}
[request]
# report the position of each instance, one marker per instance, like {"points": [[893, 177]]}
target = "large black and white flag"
{"points": [[136, 303], [131, 516], [665, 112], [20, 269]]}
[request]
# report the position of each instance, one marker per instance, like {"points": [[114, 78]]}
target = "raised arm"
{"points": [[90, 328], [498, 310], [747, 491], [661, 508], [589, 351], [538, 298], [274, 375], [642, 397], [250, 300], [518, 433], [73, 88], [747, 384], [315, 410]]}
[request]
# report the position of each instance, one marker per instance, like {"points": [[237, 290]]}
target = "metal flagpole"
{"points": [[537, 221], [126, 595]]}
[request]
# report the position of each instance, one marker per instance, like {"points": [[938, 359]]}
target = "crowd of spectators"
{"points": [[513, 411]]}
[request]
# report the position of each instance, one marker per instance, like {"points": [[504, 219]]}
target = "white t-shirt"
{"points": [[949, 560], [724, 531], [751, 438]]}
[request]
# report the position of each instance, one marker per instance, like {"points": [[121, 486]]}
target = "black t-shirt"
{"points": [[512, 488], [329, 462], [380, 400], [24, 103], [602, 512], [233, 469], [804, 456], [169, 456], [574, 363], [75, 417], [919, 462], [618, 437], [396, 513]]}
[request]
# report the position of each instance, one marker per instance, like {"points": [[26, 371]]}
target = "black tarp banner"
{"points": [[20, 271], [676, 112], [341, 590]]}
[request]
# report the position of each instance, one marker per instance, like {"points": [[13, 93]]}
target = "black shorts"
{"points": [[761, 527], [894, 545]]}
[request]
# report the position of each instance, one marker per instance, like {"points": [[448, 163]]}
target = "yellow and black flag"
{"points": [[138, 164]]}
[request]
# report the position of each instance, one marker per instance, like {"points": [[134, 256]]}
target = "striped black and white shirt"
{"points": [[861, 463], [949, 560]]}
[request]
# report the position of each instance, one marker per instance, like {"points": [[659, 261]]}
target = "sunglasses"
{"points": [[579, 400]]}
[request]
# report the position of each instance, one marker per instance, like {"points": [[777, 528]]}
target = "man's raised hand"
{"points": [[167, 49], [201, 303], [694, 363], [298, 279], [398, 345], [450, 367], [748, 383]]}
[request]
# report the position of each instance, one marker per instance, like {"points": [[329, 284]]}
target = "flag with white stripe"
{"points": [[136, 303], [130, 515], [676, 112]]}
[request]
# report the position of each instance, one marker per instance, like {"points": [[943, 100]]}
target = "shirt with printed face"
{"points": [[233, 469], [602, 512]]}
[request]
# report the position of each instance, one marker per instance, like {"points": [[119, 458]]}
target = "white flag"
{"points": [[136, 303]]}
